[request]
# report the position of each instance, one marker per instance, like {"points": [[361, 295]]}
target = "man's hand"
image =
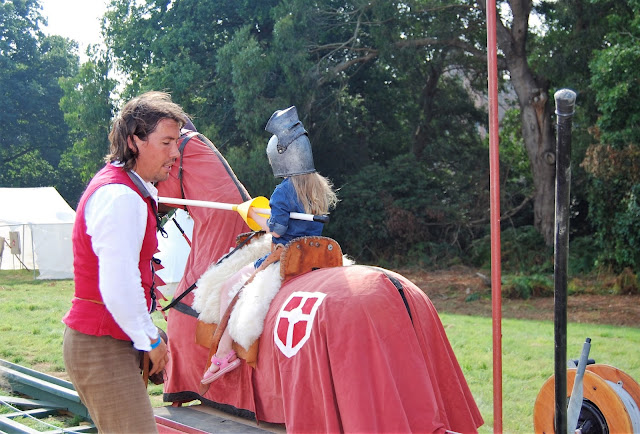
{"points": [[159, 356]]}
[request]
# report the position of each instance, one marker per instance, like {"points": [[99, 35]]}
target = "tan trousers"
{"points": [[106, 374]]}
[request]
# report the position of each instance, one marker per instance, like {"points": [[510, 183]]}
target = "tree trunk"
{"points": [[424, 134], [539, 140], [536, 114]]}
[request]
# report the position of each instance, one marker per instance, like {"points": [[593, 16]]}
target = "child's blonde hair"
{"points": [[315, 193]]}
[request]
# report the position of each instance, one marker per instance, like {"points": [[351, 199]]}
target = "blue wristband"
{"points": [[156, 343]]}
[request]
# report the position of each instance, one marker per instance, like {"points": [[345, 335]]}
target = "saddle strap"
{"points": [[177, 299]]}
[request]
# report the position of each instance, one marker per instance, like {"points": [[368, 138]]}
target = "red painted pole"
{"points": [[494, 167]]}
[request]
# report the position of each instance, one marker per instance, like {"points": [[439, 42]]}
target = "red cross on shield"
{"points": [[295, 321]]}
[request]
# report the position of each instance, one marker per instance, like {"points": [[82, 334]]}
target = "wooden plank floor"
{"points": [[197, 419]]}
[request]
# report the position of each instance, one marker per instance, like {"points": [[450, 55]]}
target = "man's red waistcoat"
{"points": [[88, 314]]}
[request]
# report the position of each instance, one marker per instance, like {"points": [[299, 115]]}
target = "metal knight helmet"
{"points": [[289, 149]]}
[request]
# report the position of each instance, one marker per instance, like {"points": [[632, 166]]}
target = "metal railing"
{"points": [[45, 396]]}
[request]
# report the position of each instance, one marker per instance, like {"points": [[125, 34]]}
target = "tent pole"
{"points": [[33, 251], [22, 253], [13, 259], [494, 169]]}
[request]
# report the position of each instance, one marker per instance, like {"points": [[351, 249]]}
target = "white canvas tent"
{"points": [[43, 221]]}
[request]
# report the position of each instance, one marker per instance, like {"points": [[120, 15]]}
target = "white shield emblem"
{"points": [[295, 321]]}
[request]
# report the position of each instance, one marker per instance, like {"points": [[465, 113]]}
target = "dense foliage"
{"points": [[392, 94], [34, 132]]}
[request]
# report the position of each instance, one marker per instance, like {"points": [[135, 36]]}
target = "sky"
{"points": [[75, 19]]}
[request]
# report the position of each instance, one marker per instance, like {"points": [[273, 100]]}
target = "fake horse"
{"points": [[368, 353]]}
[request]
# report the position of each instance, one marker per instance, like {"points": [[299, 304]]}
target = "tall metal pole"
{"points": [[494, 168], [565, 101]]}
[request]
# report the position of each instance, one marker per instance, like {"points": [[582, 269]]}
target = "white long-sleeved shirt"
{"points": [[116, 219]]}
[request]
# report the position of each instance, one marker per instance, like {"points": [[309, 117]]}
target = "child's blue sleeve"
{"points": [[279, 204]]}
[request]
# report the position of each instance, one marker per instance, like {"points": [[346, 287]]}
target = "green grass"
{"points": [[31, 335], [31, 325], [30, 314], [528, 360]]}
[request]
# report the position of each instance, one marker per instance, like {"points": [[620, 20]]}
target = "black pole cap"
{"points": [[565, 102]]}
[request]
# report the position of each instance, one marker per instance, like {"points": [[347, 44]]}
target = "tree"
{"points": [[405, 96], [615, 78], [88, 108], [535, 109], [414, 44], [34, 133], [174, 46], [613, 162], [382, 32], [180, 47], [372, 79]]}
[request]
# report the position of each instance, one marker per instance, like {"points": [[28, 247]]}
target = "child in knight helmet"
{"points": [[303, 190]]}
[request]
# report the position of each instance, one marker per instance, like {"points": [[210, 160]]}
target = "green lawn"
{"points": [[31, 335], [527, 360], [30, 323]]}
